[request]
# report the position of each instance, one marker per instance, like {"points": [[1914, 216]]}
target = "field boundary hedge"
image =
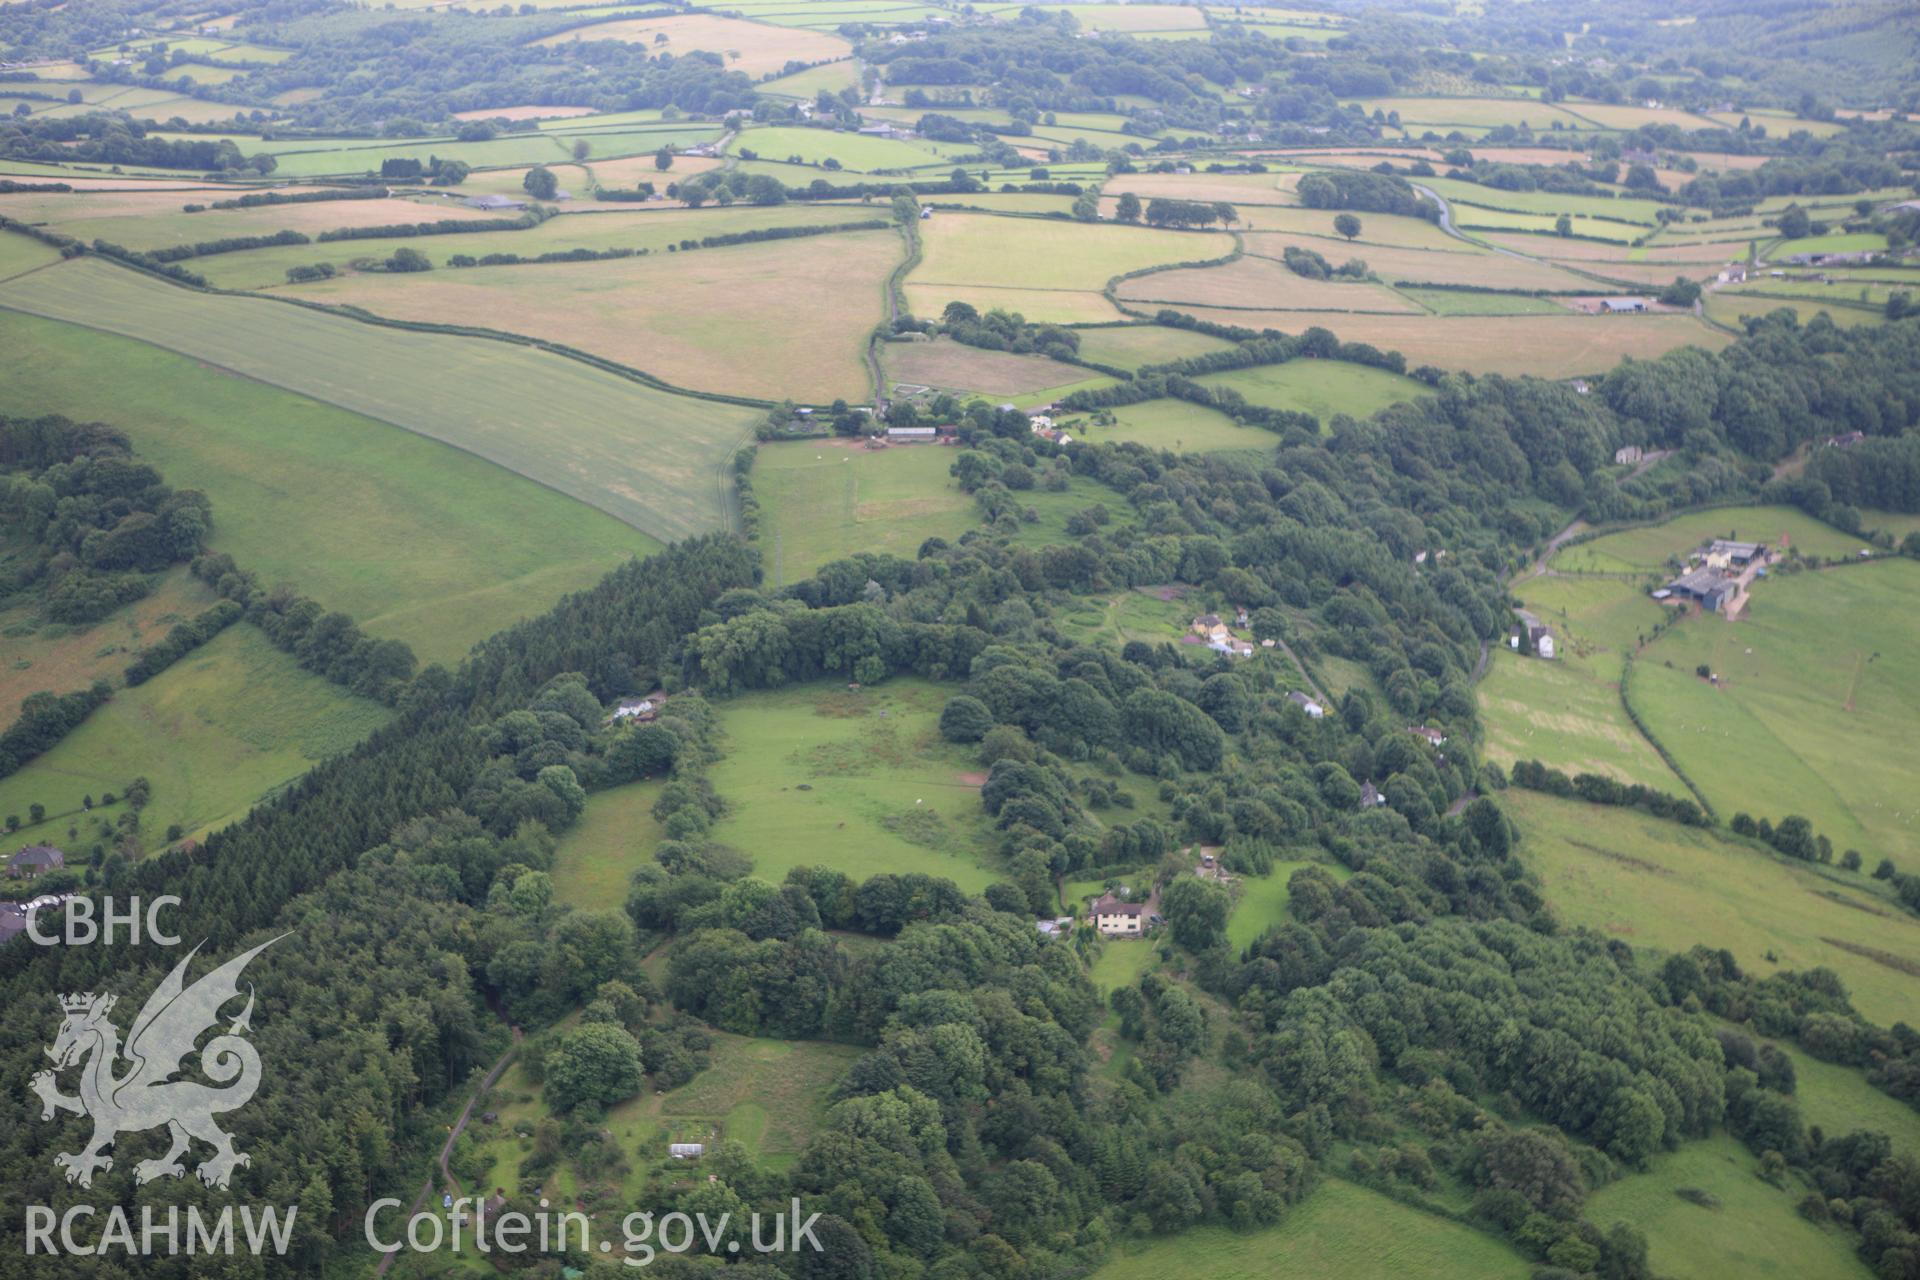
{"points": [[1660, 748]]}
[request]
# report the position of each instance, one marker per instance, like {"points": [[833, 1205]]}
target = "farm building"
{"points": [[34, 860], [1622, 306], [912, 435], [1370, 797], [1627, 455], [1116, 918], [636, 710], [1706, 585], [1539, 636], [1721, 553], [1058, 927], [1846, 441], [1306, 704], [1210, 626], [686, 1150], [496, 202]]}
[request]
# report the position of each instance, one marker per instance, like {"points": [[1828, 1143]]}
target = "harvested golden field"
{"points": [[1546, 346], [1256, 283], [60, 659], [1234, 188], [750, 320], [156, 219], [1464, 265], [980, 249], [511, 182], [1050, 306], [17, 171], [628, 172], [952, 366], [756, 48], [524, 113]]}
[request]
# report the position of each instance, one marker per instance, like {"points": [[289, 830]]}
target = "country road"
{"points": [[446, 1150]]}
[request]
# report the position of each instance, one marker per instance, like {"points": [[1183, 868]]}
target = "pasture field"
{"points": [[1819, 689], [1648, 548], [1003, 202], [858, 152], [1566, 715], [1482, 113], [56, 658], [1121, 962], [1832, 242], [213, 733], [756, 48], [528, 111], [599, 229], [1754, 1231], [824, 500], [597, 857], [1262, 901], [807, 85], [652, 459], [1341, 1231], [1060, 266], [1456, 302], [1657, 884], [769, 1094], [412, 539], [1133, 614], [1839, 1099], [1131, 346], [954, 366], [1256, 283], [1133, 19], [1609, 115], [1172, 424], [1545, 346], [1377, 230], [21, 254], [725, 302], [1621, 209], [1462, 264], [301, 158], [1734, 309], [1473, 217], [1323, 388], [860, 781], [1778, 124]]}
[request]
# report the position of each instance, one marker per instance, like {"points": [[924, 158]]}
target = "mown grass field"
{"points": [[1754, 1231], [1460, 264], [213, 733], [597, 857], [1262, 901], [725, 303], [1657, 884], [654, 460], [57, 658], [1814, 711], [858, 781], [652, 229], [1567, 715], [1323, 388], [1340, 1232], [410, 537], [1060, 267], [770, 1095], [1544, 346], [821, 501], [953, 366], [1257, 282]]}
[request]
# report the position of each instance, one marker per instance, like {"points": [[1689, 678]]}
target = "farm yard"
{"points": [[647, 457]]}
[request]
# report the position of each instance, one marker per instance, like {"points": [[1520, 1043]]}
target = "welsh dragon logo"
{"points": [[145, 1096]]}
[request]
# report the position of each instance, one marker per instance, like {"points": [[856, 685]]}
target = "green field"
{"points": [[654, 460], [857, 152], [598, 856], [213, 733], [1619, 210], [411, 538], [1130, 346], [1648, 548], [1460, 302], [1340, 1232], [1840, 1101], [1657, 884], [768, 1094], [1567, 715], [1814, 711], [1133, 614], [1172, 424], [1323, 388], [1754, 1231], [1262, 901], [858, 781], [823, 501]]}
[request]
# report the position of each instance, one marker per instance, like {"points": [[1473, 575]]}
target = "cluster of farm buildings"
{"points": [[1717, 576]]}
